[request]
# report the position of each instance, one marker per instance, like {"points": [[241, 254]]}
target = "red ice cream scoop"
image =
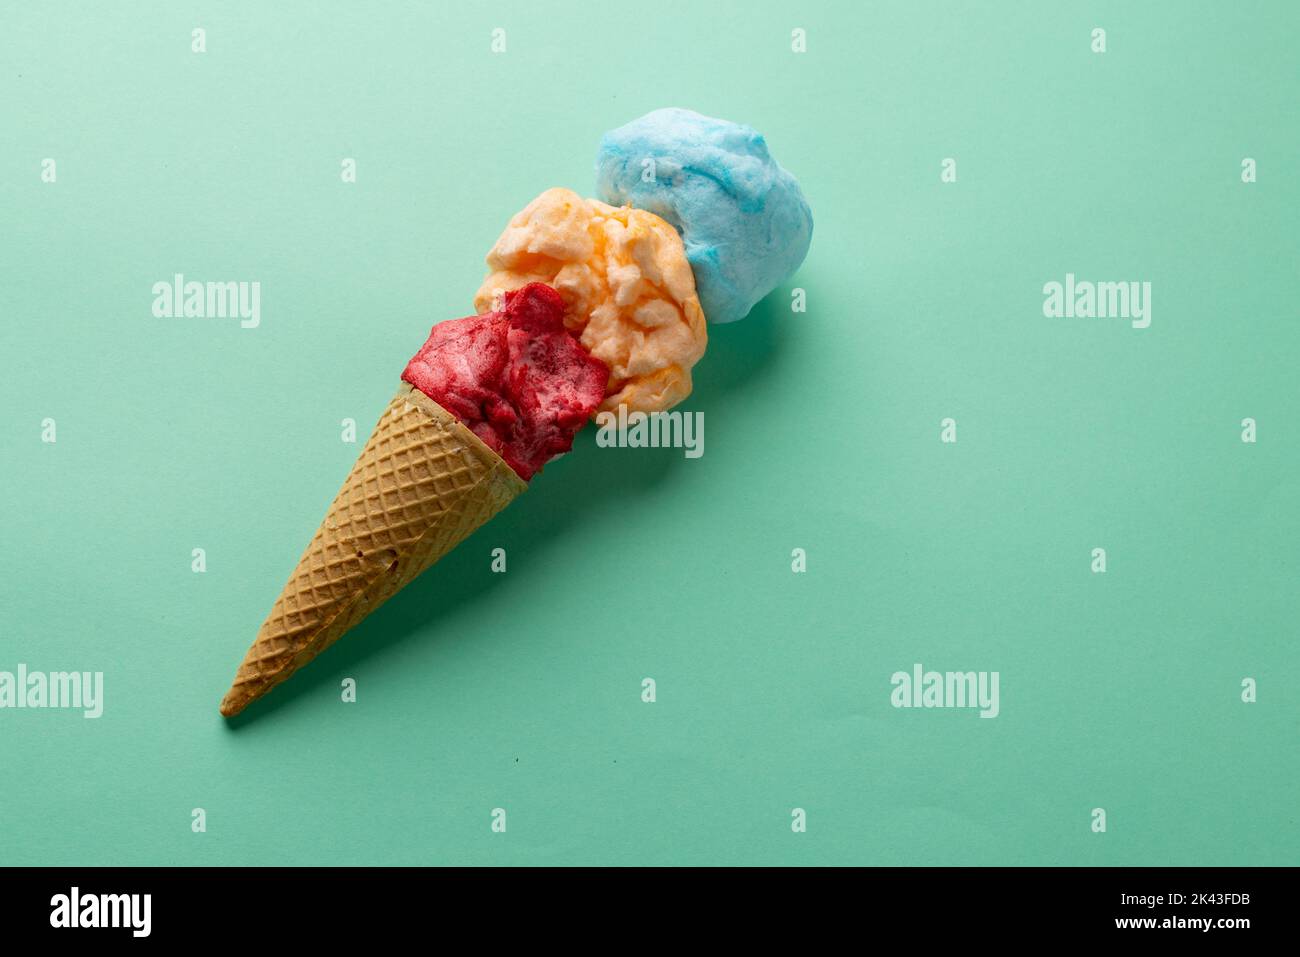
{"points": [[515, 377]]}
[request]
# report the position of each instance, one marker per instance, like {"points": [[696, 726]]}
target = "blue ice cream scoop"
{"points": [[742, 217]]}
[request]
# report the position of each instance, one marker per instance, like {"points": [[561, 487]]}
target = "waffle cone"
{"points": [[422, 484]]}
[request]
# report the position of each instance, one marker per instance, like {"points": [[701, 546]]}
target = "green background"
{"points": [[522, 690]]}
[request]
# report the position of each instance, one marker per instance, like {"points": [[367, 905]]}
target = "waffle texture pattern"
{"points": [[422, 484]]}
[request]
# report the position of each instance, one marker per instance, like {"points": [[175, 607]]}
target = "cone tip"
{"points": [[232, 704]]}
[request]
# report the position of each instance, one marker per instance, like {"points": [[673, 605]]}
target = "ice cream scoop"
{"points": [[628, 291], [743, 218], [516, 378]]}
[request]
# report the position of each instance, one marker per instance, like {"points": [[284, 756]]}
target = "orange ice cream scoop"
{"points": [[628, 291]]}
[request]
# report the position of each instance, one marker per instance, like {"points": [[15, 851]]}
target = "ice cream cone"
{"points": [[420, 486]]}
